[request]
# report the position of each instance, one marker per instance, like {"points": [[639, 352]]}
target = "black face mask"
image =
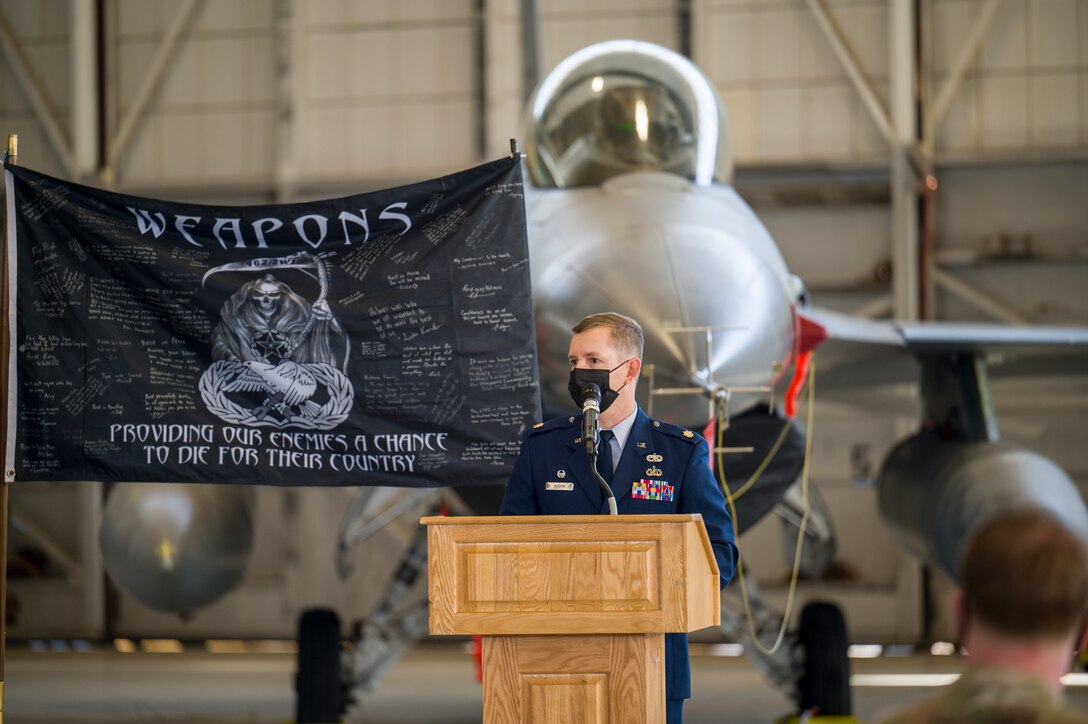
{"points": [[581, 378]]}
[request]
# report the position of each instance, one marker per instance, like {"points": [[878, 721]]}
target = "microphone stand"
{"points": [[591, 435]]}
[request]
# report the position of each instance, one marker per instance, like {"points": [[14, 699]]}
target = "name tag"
{"points": [[559, 486]]}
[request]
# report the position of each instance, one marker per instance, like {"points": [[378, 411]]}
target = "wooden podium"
{"points": [[573, 609]]}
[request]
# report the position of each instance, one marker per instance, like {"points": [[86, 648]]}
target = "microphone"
{"points": [[591, 434], [591, 410]]}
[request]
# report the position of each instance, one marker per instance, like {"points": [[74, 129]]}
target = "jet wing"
{"points": [[946, 336], [956, 336], [861, 352]]}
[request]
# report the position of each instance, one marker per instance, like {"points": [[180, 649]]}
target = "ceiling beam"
{"points": [[849, 60], [135, 114], [976, 297], [35, 93], [963, 62]]}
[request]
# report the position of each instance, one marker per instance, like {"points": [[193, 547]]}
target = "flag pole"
{"points": [[12, 156]]}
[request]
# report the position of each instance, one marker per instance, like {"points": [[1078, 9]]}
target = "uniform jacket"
{"points": [[655, 451], [988, 694]]}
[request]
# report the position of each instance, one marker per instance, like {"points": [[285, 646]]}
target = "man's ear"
{"points": [[1082, 639], [633, 368]]}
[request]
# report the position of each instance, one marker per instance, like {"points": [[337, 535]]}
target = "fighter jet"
{"points": [[630, 208]]}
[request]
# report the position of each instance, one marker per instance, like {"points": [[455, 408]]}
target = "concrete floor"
{"points": [[433, 685]]}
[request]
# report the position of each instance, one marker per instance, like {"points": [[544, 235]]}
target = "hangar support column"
{"points": [[903, 77]]}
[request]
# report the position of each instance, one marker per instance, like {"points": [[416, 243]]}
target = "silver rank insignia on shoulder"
{"points": [[654, 472], [640, 444], [561, 474], [654, 458], [689, 433]]}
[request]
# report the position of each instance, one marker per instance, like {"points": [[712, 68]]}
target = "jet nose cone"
{"points": [[705, 283]]}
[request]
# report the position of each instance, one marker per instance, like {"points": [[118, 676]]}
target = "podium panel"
{"points": [[574, 679], [555, 577], [571, 574]]}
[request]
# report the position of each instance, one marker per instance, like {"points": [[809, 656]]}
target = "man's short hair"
{"points": [[626, 332], [1025, 574]]}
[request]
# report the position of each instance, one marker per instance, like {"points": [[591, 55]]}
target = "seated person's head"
{"points": [[1024, 577]]}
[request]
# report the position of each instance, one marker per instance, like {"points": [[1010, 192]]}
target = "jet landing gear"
{"points": [[330, 678], [824, 686], [319, 692], [811, 666]]}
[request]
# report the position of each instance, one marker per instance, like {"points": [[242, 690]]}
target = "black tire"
{"points": [[825, 679], [318, 690]]}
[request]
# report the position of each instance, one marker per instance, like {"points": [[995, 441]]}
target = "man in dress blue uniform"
{"points": [[653, 467]]}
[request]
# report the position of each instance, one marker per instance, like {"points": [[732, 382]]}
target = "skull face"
{"points": [[267, 297]]}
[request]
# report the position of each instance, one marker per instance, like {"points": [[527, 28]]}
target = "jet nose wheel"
{"points": [[825, 675], [318, 689]]}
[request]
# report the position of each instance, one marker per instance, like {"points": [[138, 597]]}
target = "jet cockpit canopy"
{"points": [[624, 106]]}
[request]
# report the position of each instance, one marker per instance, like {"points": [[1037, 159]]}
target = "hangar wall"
{"points": [[241, 101], [412, 73]]}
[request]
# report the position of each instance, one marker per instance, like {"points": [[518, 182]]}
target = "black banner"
{"points": [[380, 339]]}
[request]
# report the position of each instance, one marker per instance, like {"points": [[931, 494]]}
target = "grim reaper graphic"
{"points": [[279, 360]]}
